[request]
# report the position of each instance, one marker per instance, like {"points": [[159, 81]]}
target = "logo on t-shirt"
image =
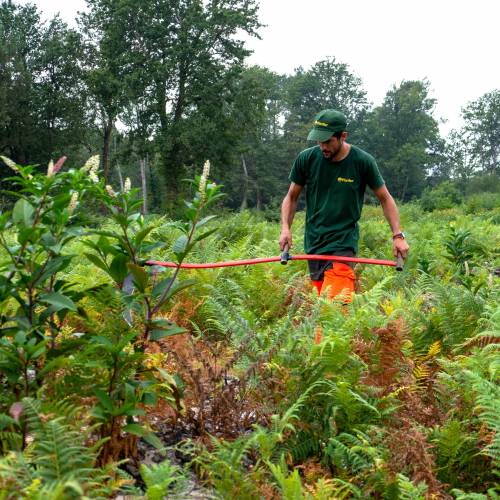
{"points": [[343, 179]]}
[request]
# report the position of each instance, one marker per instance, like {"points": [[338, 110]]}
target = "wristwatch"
{"points": [[399, 235]]}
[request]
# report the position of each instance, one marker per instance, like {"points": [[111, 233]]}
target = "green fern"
{"points": [[57, 460], [453, 313], [407, 490], [10, 435], [162, 479], [351, 453], [290, 485]]}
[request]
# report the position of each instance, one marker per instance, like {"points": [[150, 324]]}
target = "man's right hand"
{"points": [[285, 239]]}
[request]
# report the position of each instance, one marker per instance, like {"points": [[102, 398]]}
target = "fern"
{"points": [[409, 491], [352, 453], [162, 479], [10, 437], [488, 407], [456, 449], [57, 461], [454, 313], [290, 485]]}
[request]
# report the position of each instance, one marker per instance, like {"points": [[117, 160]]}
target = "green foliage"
{"points": [[42, 96], [481, 201], [482, 119], [38, 302], [456, 450], [290, 485], [162, 479], [58, 462], [404, 379], [444, 195], [403, 136]]}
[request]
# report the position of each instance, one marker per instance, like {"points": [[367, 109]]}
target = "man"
{"points": [[335, 175]]}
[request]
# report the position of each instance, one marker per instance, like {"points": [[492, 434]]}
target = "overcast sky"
{"points": [[452, 43]]}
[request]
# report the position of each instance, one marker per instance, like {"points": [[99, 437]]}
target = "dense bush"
{"points": [[482, 201], [444, 195]]}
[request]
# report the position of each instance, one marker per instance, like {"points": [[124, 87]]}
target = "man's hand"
{"points": [[285, 239], [288, 208], [400, 245]]}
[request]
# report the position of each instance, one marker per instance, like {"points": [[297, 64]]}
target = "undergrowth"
{"points": [[99, 354]]}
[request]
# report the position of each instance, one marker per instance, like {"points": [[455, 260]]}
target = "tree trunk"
{"points": [[107, 134], [244, 198], [143, 163], [120, 176], [172, 148], [156, 189], [258, 201]]}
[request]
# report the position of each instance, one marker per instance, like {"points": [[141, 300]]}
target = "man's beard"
{"points": [[329, 155]]}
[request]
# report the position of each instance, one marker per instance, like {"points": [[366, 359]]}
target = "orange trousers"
{"points": [[339, 280]]}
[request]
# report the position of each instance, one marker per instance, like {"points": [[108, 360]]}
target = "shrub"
{"points": [[482, 201], [445, 195]]}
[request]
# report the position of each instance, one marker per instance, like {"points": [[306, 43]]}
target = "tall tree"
{"points": [[61, 96], [327, 84], [482, 129], [42, 105], [188, 56], [256, 128], [457, 164], [109, 27], [19, 47], [403, 136]]}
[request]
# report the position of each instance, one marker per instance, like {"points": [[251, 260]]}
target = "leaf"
{"points": [[149, 398], [136, 429], [23, 212], [58, 301], [161, 286], [139, 237], [203, 221], [158, 334], [140, 276], [118, 268], [205, 234], [153, 440], [179, 287], [105, 400], [180, 245], [54, 266], [97, 261]]}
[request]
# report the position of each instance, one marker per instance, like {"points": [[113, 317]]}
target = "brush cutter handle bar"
{"points": [[399, 262], [285, 256], [247, 262]]}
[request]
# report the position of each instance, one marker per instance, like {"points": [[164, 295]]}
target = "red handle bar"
{"points": [[247, 262]]}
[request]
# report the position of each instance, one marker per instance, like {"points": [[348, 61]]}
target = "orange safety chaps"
{"points": [[339, 280]]}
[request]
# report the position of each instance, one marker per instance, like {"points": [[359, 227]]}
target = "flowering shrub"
{"points": [[39, 303]]}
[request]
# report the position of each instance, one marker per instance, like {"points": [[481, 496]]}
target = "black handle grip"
{"points": [[399, 262], [285, 256]]}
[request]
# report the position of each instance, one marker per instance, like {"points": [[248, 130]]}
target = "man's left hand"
{"points": [[400, 245]]}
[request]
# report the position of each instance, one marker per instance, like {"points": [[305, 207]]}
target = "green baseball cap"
{"points": [[326, 123]]}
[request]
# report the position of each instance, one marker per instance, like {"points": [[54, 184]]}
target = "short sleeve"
{"points": [[374, 178], [298, 172]]}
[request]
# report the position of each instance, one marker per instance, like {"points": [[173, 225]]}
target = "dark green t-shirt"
{"points": [[334, 197]]}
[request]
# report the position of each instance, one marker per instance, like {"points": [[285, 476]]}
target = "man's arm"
{"points": [[392, 215], [288, 208]]}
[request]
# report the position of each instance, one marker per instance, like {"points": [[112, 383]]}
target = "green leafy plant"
{"points": [[162, 479]]}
